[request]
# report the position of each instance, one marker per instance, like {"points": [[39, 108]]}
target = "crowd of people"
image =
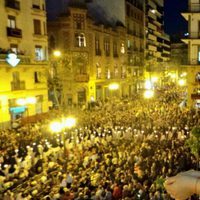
{"points": [[119, 150]]}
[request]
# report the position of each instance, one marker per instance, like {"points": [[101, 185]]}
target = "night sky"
{"points": [[174, 22]]}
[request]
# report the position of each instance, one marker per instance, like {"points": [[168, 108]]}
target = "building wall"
{"points": [[88, 57], [193, 42], [25, 40]]}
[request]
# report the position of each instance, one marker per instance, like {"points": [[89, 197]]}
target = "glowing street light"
{"points": [[148, 94], [69, 122], [57, 53], [148, 85], [25, 101], [181, 82], [113, 86], [60, 127], [56, 127]]}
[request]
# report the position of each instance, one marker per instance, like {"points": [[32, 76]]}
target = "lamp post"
{"points": [[113, 87], [60, 127]]}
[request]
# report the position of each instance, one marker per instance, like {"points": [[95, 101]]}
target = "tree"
{"points": [[194, 142]]}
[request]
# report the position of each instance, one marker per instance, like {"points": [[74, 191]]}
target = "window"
{"points": [[14, 48], [122, 48], [39, 52], [11, 21], [116, 71], [98, 70], [37, 26], [197, 78], [15, 77], [80, 40], [97, 46], [123, 72], [107, 47], [115, 49], [78, 21], [37, 77], [36, 4]]}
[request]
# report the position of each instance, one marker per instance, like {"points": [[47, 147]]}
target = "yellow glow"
{"points": [[69, 122], [148, 94], [113, 86], [154, 79], [25, 101], [31, 100], [183, 74], [148, 84], [173, 75], [57, 53], [181, 82], [21, 102], [56, 127]]}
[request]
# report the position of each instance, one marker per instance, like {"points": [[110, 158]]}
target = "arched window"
{"points": [[80, 40]]}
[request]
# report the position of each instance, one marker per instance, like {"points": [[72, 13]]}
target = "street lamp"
{"points": [[181, 82], [113, 87], [57, 53], [60, 127], [148, 94]]}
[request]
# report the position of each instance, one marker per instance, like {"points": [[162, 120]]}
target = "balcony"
{"points": [[14, 32], [81, 78], [192, 35], [12, 4], [195, 96], [17, 85]]}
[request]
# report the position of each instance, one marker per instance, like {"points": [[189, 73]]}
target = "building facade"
{"points": [[23, 59], [93, 56], [192, 15], [135, 21], [157, 49]]}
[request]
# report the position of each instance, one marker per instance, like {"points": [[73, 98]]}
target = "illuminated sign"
{"points": [[12, 59], [18, 109]]}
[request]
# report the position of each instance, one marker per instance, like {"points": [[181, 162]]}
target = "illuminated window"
{"points": [[39, 55], [98, 70], [123, 72], [116, 71], [122, 48], [197, 78], [11, 21], [80, 40]]}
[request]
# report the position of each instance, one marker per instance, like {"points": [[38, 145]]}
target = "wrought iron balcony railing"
{"points": [[14, 32]]}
